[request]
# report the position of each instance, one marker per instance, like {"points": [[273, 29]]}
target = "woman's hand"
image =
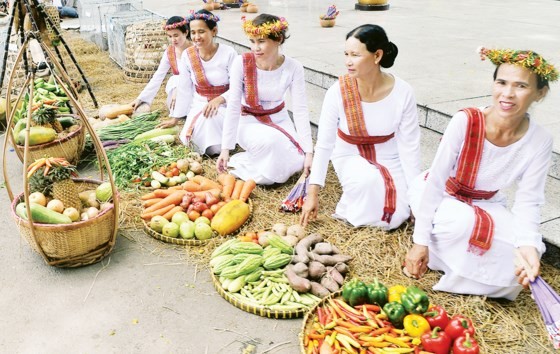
{"points": [[221, 162], [307, 164], [211, 109], [168, 123], [416, 261], [531, 258], [135, 103], [310, 206]]}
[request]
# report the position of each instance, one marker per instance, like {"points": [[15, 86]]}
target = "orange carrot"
{"points": [[248, 187], [150, 202], [174, 198], [191, 186], [161, 211], [171, 212], [229, 184], [151, 195], [206, 183], [202, 194], [175, 188], [162, 193], [221, 177], [237, 189]]}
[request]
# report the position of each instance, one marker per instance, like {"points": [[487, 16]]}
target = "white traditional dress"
{"points": [[199, 82], [365, 198], [168, 61], [473, 263], [258, 121]]}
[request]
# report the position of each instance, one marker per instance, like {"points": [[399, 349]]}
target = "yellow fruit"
{"points": [[230, 217]]}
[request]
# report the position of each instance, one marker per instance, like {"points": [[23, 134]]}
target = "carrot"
{"points": [[150, 202], [206, 183], [162, 193], [174, 198], [191, 186], [171, 212], [221, 177], [151, 195], [161, 211], [237, 189], [175, 188], [248, 187], [229, 184], [202, 194]]}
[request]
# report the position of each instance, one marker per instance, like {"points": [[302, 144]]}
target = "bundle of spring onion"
{"points": [[130, 128]]}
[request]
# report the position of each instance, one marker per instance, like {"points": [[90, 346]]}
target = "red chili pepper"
{"points": [[458, 325], [436, 341], [437, 317], [465, 345]]}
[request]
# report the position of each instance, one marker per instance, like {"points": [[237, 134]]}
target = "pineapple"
{"points": [[45, 116]]}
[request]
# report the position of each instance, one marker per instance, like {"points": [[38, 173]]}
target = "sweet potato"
{"points": [[305, 244], [329, 283], [323, 248], [319, 290], [301, 269], [335, 249], [328, 260], [300, 259], [342, 268], [299, 284], [316, 270], [335, 275]]}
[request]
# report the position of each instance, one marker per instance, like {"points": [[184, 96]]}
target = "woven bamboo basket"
{"points": [[145, 44], [52, 12], [307, 319], [70, 147], [72, 245], [260, 310], [190, 242]]}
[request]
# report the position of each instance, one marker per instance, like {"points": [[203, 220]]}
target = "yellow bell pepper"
{"points": [[394, 293], [415, 325]]}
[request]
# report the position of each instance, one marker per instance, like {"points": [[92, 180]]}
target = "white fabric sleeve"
{"points": [[444, 161], [299, 108], [408, 139], [530, 195], [150, 91], [233, 110], [185, 89], [326, 136], [230, 58]]}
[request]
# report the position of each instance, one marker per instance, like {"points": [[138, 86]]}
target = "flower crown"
{"points": [[206, 17], [266, 29], [174, 25], [525, 58]]}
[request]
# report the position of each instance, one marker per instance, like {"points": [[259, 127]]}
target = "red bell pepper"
{"points": [[437, 317], [465, 345], [458, 326], [436, 341]]}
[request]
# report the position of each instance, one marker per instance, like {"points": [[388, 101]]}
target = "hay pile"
{"points": [[502, 326]]}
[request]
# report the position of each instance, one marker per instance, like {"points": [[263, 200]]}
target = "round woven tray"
{"points": [[309, 316], [256, 310], [190, 242]]}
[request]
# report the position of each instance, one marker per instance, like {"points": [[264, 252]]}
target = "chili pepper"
{"points": [[437, 317], [436, 341], [415, 300], [416, 325], [355, 292], [394, 293], [458, 325], [465, 345], [395, 312], [377, 293]]}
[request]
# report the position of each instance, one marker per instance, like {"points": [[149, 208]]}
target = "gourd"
{"points": [[278, 261], [246, 247], [157, 132], [230, 217], [249, 265], [255, 275], [224, 247], [237, 284], [278, 242], [37, 135], [42, 214], [116, 110]]}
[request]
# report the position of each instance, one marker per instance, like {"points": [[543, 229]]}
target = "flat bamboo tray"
{"points": [[259, 310], [309, 317]]}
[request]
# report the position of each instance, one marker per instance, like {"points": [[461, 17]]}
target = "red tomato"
{"points": [[208, 213], [215, 208], [162, 170], [173, 165], [175, 171], [193, 215], [168, 174]]}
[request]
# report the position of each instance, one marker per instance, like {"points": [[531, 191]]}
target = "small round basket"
{"points": [[72, 245], [259, 310], [194, 241], [327, 22], [70, 147], [307, 319]]}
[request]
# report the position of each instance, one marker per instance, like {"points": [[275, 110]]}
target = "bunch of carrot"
{"points": [[337, 327], [235, 189]]}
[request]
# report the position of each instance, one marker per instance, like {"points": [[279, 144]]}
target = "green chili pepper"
{"points": [[355, 292], [415, 300], [377, 293], [395, 312]]}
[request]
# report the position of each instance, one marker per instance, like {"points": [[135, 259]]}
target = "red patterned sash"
{"points": [[462, 185], [252, 99], [366, 144], [172, 57]]}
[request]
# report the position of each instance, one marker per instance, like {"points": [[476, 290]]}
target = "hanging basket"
{"points": [[145, 44]]}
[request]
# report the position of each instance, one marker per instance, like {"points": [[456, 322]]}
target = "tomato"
{"points": [[193, 215], [208, 213], [147, 183], [215, 208], [252, 235], [162, 170], [137, 180], [168, 174], [173, 165], [175, 171]]}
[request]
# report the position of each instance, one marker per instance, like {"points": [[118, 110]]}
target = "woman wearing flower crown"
{"points": [[177, 30], [275, 148], [463, 226], [369, 130], [203, 85]]}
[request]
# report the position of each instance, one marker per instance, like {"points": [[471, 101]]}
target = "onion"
{"points": [[56, 205], [92, 212], [84, 216], [296, 230], [38, 197], [183, 165], [280, 229], [196, 167], [105, 206]]}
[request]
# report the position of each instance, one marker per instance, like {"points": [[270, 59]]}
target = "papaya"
{"points": [[230, 217], [37, 135]]}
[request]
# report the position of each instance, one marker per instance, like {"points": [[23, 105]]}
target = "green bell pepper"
{"points": [[395, 312], [377, 293], [355, 292], [415, 300]]}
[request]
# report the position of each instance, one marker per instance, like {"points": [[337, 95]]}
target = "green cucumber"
{"points": [[66, 121], [159, 177], [42, 214]]}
